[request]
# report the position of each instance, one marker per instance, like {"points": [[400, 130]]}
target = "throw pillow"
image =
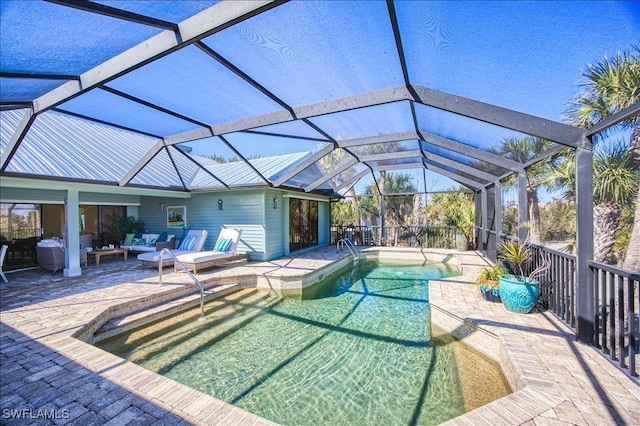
{"points": [[137, 234], [228, 245], [152, 243], [128, 239], [187, 244], [139, 242], [184, 235], [191, 242], [162, 238], [222, 242]]}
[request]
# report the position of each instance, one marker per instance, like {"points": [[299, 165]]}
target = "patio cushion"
{"points": [[223, 244], [184, 235], [128, 240], [188, 243], [139, 242], [151, 238]]}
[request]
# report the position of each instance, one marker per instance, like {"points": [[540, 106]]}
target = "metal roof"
{"points": [[326, 92]]}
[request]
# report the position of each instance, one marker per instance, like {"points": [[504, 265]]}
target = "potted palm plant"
{"points": [[487, 280], [519, 292]]}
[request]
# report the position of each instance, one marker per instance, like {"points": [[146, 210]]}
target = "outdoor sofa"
{"points": [[148, 243]]}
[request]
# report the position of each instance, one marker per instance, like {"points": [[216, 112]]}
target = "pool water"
{"points": [[357, 348]]}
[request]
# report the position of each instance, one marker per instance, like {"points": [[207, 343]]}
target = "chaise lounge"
{"points": [[190, 243], [223, 252]]}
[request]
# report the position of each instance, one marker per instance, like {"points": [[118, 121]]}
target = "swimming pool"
{"points": [[356, 348]]}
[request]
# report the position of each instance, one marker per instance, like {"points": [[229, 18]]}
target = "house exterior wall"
{"points": [[324, 223], [240, 209], [274, 225], [263, 227]]}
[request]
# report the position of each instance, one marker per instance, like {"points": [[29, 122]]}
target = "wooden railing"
{"points": [[402, 236], [617, 316], [616, 296]]}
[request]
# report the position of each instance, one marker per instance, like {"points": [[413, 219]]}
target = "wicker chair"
{"points": [[50, 258]]}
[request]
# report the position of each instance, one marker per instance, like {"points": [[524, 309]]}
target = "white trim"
{"points": [[83, 203], [308, 197], [17, 182], [14, 201]]}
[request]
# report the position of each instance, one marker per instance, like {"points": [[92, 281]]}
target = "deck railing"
{"points": [[617, 316], [17, 234], [616, 300], [399, 236]]}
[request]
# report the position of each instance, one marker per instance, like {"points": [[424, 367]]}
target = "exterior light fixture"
{"points": [[275, 203], [220, 204], [161, 207]]}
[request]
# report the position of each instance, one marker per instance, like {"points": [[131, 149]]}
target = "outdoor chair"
{"points": [[51, 258], [224, 251], [3, 252], [193, 241]]}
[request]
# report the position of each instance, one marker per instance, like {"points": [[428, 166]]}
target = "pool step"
{"points": [[182, 334], [148, 314]]}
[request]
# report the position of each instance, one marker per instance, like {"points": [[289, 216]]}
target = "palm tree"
{"points": [[632, 259], [524, 149], [613, 84], [615, 181]]}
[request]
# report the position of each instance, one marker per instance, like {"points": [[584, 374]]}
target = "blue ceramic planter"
{"points": [[517, 294], [490, 293]]}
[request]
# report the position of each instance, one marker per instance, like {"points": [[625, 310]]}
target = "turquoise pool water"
{"points": [[356, 349]]}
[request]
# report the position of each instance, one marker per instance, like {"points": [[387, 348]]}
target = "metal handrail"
{"points": [[352, 248], [195, 280]]}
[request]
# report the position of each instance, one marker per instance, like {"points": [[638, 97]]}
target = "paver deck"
{"points": [[49, 377]]}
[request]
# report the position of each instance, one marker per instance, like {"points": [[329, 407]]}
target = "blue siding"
{"points": [[263, 227], [274, 225], [241, 209], [324, 224]]}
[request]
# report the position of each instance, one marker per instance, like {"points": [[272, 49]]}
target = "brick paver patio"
{"points": [[49, 377]]}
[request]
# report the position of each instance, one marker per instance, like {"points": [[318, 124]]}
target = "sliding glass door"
{"points": [[303, 224]]}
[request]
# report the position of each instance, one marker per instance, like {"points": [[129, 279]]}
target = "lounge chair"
{"points": [[224, 251], [190, 243]]}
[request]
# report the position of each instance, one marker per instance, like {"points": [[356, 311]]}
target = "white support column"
{"points": [[72, 234]]}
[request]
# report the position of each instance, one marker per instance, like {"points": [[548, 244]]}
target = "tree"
{"points": [[615, 181], [558, 221], [611, 85], [454, 208], [399, 208], [524, 149]]}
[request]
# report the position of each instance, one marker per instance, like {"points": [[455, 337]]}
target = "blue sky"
{"points": [[506, 53], [523, 55]]}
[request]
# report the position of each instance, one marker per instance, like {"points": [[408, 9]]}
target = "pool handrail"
{"points": [[195, 280], [352, 249]]}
